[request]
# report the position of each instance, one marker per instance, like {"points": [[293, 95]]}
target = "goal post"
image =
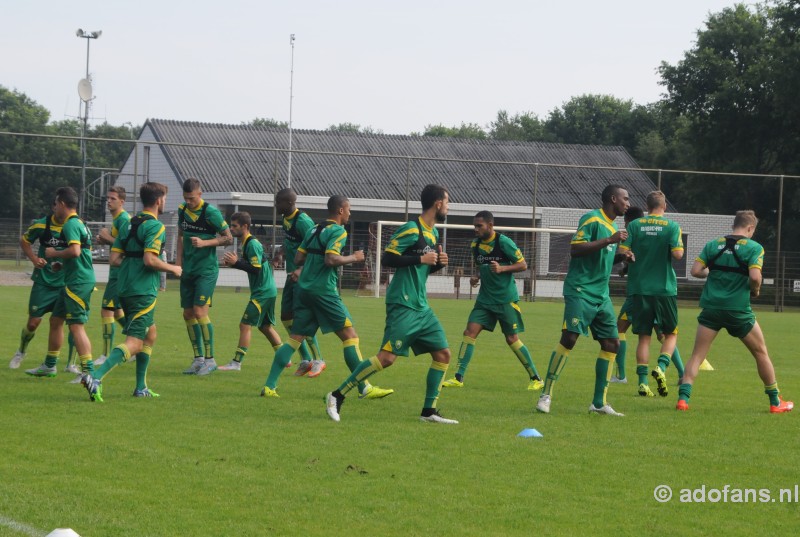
{"points": [[545, 249]]}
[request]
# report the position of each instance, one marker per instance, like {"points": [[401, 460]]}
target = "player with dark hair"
{"points": [[318, 305], [415, 252], [587, 304], [115, 201], [73, 301], [654, 242], [732, 265], [260, 309], [296, 224], [497, 258], [201, 228], [48, 281], [136, 251]]}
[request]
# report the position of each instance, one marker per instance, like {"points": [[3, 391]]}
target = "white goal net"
{"points": [[545, 249]]}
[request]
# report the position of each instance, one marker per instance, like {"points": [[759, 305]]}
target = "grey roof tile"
{"points": [[489, 181]]}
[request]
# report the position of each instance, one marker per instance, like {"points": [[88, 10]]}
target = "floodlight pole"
{"points": [[291, 98], [88, 36]]}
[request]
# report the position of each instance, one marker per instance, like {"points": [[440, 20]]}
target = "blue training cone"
{"points": [[530, 433]]}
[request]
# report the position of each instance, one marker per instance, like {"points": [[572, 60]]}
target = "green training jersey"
{"points": [[47, 231], [205, 222], [78, 270], [408, 285], [316, 277], [496, 288], [121, 219], [295, 228], [262, 284], [134, 277], [729, 289], [652, 239], [587, 276]]}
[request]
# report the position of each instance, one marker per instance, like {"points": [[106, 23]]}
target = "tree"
{"points": [[19, 113], [466, 130], [593, 120], [736, 92], [267, 122], [352, 128], [526, 127]]}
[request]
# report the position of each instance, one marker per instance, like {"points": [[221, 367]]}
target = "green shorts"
{"points": [[139, 314], [738, 323], [42, 299], [509, 315], [580, 315], [287, 298], [197, 290], [625, 310], [319, 312], [259, 312], [73, 303], [406, 328], [110, 298], [660, 312]]}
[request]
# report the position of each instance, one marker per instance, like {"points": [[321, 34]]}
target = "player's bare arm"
{"points": [[336, 260], [224, 239], [179, 249], [151, 260], [699, 270], [104, 237], [115, 258], [70, 252], [585, 248], [519, 266], [27, 249], [755, 282]]}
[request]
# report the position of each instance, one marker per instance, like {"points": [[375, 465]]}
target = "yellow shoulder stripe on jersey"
{"points": [[602, 221]]}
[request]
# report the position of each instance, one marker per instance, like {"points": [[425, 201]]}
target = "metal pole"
{"points": [[291, 98], [275, 208], [533, 225], [778, 287], [408, 184], [83, 141], [135, 174], [659, 180], [21, 205], [377, 282]]}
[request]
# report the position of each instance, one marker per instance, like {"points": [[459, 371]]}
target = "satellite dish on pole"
{"points": [[85, 90]]}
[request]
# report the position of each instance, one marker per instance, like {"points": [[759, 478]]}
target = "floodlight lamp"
{"points": [[97, 34], [79, 33]]}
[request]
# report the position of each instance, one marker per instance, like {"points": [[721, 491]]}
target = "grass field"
{"points": [[211, 458]]}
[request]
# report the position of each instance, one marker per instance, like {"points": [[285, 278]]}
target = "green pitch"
{"points": [[210, 457]]}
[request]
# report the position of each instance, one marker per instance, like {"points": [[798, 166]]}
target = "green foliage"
{"points": [[268, 122], [352, 128], [525, 127], [210, 457], [736, 92], [466, 130]]}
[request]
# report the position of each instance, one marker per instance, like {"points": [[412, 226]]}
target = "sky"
{"points": [[396, 67]]}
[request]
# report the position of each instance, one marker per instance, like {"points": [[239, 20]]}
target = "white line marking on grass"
{"points": [[19, 527]]}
